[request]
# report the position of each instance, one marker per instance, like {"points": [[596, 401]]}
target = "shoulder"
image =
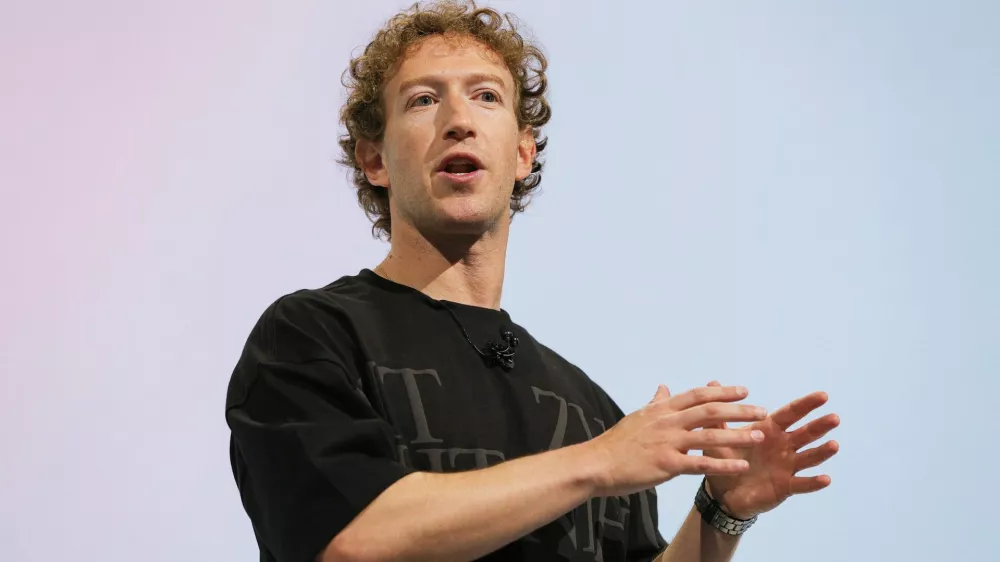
{"points": [[342, 297], [316, 315], [305, 326], [293, 316]]}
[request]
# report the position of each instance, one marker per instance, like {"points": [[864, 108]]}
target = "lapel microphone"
{"points": [[500, 354]]}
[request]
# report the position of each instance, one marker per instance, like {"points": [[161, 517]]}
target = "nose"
{"points": [[458, 120]]}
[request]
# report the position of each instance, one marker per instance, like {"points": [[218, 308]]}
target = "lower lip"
{"points": [[461, 178]]}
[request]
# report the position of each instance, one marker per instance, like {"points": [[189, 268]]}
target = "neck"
{"points": [[463, 269]]}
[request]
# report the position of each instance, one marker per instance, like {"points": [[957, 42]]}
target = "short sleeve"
{"points": [[308, 450]]}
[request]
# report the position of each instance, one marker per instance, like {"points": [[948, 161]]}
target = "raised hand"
{"points": [[774, 463], [650, 445]]}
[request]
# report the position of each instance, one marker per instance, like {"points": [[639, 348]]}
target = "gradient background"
{"points": [[787, 195]]}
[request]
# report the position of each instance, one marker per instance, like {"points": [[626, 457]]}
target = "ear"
{"points": [[368, 155], [526, 151]]}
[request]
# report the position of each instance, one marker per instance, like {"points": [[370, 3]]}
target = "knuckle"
{"points": [[668, 461], [700, 393], [657, 406], [671, 437], [713, 410]]}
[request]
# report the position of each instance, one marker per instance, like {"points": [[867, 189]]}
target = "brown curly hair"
{"points": [[362, 114]]}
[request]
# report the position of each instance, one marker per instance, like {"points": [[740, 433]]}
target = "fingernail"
{"points": [[761, 412], [741, 390], [757, 434]]}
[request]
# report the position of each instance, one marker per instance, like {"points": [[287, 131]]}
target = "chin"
{"points": [[467, 216]]}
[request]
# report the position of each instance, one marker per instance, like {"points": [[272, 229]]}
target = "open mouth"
{"points": [[461, 167]]}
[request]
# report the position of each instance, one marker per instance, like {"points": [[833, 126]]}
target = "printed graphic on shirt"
{"points": [[585, 528]]}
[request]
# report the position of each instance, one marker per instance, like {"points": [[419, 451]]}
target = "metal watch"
{"points": [[713, 514]]}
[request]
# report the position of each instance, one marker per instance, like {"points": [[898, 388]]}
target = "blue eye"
{"points": [[490, 97], [416, 102]]}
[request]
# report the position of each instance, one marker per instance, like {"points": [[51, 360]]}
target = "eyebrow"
{"points": [[472, 78]]}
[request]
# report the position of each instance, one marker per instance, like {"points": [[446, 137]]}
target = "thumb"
{"points": [[662, 393]]}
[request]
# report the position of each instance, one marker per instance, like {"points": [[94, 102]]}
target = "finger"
{"points": [[708, 415], [787, 415], [816, 456], [717, 452], [694, 464], [804, 485], [706, 394], [662, 393], [711, 438], [813, 430], [720, 425]]}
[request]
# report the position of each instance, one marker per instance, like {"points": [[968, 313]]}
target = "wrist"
{"points": [[716, 516], [589, 463], [720, 497]]}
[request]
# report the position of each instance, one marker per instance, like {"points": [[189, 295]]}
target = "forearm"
{"points": [[466, 515], [696, 541]]}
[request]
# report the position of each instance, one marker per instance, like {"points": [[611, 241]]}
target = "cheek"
{"points": [[404, 156], [507, 148]]}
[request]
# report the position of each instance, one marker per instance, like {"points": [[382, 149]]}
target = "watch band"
{"points": [[713, 514]]}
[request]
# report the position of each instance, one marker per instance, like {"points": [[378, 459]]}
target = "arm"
{"points": [[463, 516], [466, 515], [486, 509], [698, 542]]}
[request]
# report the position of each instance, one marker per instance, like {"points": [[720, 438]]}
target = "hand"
{"points": [[773, 464], [650, 446]]}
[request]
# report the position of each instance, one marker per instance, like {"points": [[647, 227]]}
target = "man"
{"points": [[401, 414]]}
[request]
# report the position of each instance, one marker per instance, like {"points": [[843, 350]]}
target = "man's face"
{"points": [[452, 148]]}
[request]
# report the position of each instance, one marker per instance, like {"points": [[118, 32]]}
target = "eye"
{"points": [[490, 97], [419, 101]]}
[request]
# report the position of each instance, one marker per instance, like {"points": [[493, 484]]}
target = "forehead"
{"points": [[447, 57]]}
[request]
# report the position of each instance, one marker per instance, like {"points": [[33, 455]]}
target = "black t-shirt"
{"points": [[341, 391]]}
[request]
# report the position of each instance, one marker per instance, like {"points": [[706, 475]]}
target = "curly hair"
{"points": [[363, 114]]}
